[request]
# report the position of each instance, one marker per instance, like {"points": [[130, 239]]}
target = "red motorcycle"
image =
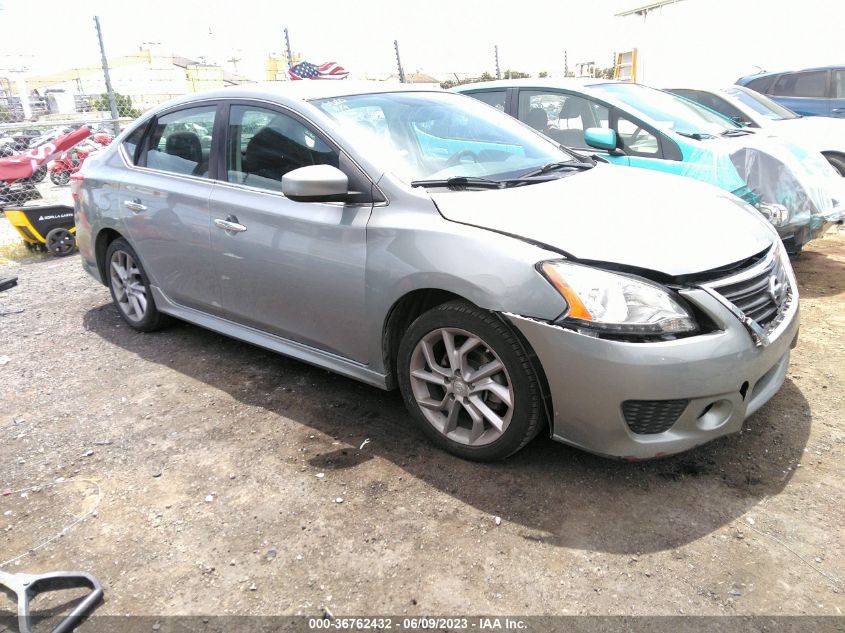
{"points": [[17, 171], [69, 162], [102, 138]]}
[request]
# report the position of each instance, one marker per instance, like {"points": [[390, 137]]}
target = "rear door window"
{"points": [[180, 142], [495, 98], [812, 84]]}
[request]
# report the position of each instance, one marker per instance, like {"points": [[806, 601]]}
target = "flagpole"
{"points": [[399, 62], [287, 48]]}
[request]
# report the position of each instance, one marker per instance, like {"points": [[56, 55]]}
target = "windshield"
{"points": [[669, 111], [434, 135], [761, 104]]}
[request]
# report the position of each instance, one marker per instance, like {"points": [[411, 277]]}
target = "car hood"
{"points": [[620, 215], [820, 132]]}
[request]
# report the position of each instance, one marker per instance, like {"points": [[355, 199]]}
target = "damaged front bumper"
{"points": [[796, 190], [796, 233], [614, 398]]}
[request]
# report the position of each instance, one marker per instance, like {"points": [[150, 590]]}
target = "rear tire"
{"points": [[130, 288], [468, 382]]}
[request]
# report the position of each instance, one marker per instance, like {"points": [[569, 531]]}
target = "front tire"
{"points": [[130, 288], [468, 382]]}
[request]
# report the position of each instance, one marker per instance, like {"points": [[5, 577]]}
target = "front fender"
{"points": [[422, 250]]}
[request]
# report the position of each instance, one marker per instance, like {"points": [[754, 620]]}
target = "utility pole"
{"points": [[287, 48], [23, 91], [496, 53], [234, 61], [566, 63], [399, 61], [109, 90]]}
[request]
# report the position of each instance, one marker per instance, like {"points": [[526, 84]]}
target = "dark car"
{"points": [[811, 92]]}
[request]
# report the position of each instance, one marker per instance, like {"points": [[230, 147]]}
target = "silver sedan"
{"points": [[423, 240]]}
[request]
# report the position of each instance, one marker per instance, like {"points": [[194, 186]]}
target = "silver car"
{"points": [[422, 240]]}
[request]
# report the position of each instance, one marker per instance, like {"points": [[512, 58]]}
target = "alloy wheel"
{"points": [[461, 386], [130, 293]]}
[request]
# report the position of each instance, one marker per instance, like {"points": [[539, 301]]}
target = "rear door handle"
{"points": [[839, 110], [134, 205], [230, 224]]}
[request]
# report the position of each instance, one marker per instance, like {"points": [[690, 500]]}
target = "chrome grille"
{"points": [[761, 292]]}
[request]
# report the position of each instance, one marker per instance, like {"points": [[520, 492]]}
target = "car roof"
{"points": [[303, 90], [583, 86], [564, 82], [769, 73], [704, 88]]}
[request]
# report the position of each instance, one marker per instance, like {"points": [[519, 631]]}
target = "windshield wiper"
{"points": [[569, 164], [736, 132], [696, 136], [460, 182], [467, 182]]}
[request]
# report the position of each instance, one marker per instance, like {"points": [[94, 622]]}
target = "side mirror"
{"points": [[316, 183], [600, 138], [740, 121]]}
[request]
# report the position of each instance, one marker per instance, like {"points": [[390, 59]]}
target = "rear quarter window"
{"points": [[131, 143]]}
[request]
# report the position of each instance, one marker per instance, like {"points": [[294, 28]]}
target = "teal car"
{"points": [[634, 125]]}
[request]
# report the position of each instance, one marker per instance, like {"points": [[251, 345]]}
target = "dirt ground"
{"points": [[215, 478]]}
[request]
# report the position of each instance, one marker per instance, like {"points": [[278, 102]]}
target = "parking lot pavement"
{"points": [[218, 478]]}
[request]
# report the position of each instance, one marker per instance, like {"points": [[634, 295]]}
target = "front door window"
{"points": [[561, 116]]}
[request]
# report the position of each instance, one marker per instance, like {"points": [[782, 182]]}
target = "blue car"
{"points": [[810, 92], [634, 125]]}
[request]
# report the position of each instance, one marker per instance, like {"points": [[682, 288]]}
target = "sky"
{"points": [[436, 36], [713, 40]]}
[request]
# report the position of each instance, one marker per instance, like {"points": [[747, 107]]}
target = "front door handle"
{"points": [[839, 110], [230, 224], [134, 205]]}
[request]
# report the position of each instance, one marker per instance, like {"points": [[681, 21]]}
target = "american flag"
{"points": [[329, 70]]}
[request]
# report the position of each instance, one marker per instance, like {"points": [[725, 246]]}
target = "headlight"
{"points": [[617, 303], [777, 214]]}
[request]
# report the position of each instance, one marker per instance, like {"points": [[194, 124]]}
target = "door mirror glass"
{"points": [[316, 183], [600, 138]]}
